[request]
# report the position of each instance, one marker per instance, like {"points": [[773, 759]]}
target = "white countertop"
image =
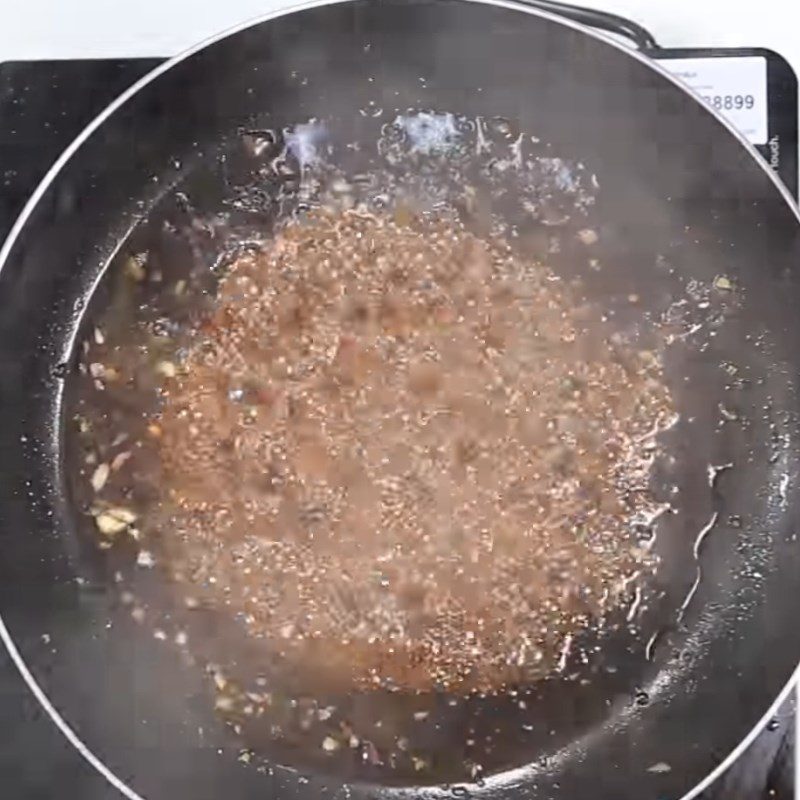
{"points": [[107, 28]]}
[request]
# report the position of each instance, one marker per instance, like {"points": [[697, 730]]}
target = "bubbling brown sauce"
{"points": [[400, 453], [379, 472]]}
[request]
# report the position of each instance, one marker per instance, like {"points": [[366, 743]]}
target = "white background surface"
{"points": [[96, 28]]}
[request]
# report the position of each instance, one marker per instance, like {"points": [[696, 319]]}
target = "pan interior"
{"points": [[494, 176]]}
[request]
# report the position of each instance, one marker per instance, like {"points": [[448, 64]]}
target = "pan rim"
{"points": [[510, 777]]}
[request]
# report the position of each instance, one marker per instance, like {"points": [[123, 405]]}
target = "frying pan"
{"points": [[683, 203]]}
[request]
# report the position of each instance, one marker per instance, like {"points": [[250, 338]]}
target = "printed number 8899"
{"points": [[730, 102]]}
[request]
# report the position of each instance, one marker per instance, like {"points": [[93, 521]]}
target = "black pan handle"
{"points": [[612, 23]]}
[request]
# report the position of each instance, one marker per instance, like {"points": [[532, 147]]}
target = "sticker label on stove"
{"points": [[736, 86]]}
